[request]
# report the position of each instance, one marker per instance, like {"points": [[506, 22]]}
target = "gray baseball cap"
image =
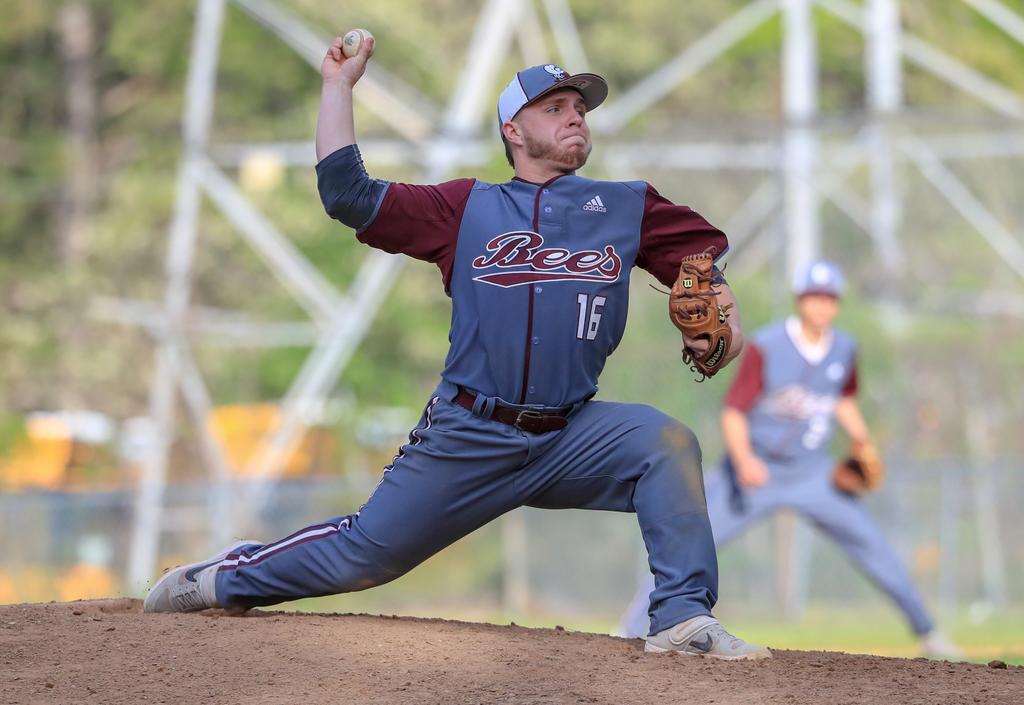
{"points": [[819, 277], [530, 84]]}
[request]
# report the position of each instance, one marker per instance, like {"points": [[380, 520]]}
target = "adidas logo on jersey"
{"points": [[595, 204]]}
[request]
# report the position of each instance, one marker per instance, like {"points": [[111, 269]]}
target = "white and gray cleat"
{"points": [[189, 588], [704, 636], [936, 644]]}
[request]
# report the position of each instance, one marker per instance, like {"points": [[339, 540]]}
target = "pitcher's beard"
{"points": [[571, 158]]}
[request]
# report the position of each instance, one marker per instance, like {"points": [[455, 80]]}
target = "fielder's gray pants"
{"points": [[807, 489]]}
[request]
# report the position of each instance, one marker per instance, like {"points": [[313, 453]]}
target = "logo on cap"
{"points": [[558, 72], [821, 274]]}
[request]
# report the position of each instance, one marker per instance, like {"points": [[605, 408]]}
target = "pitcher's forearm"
{"points": [[736, 434], [335, 124]]}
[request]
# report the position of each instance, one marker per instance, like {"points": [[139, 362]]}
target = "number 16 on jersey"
{"points": [[590, 316]]}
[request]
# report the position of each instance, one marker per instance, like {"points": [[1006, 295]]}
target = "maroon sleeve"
{"points": [[421, 222], [850, 388], [749, 381], [669, 233]]}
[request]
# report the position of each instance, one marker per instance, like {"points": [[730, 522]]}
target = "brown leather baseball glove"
{"points": [[861, 471], [694, 310]]}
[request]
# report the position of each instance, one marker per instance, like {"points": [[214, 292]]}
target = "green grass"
{"points": [[998, 636]]}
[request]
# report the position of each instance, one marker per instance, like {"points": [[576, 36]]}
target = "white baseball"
{"points": [[353, 40]]}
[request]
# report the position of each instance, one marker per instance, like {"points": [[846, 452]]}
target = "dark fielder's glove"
{"points": [[861, 471], [694, 310]]}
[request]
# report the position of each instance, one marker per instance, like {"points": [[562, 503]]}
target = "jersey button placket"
{"points": [[541, 205]]}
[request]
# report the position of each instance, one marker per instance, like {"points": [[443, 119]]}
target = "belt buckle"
{"points": [[530, 421]]}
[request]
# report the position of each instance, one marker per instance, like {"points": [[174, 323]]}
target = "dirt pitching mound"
{"points": [[107, 651]]}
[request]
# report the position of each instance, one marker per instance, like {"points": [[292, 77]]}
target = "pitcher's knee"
{"points": [[659, 433], [680, 440]]}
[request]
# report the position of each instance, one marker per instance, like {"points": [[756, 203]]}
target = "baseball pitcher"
{"points": [[538, 270]]}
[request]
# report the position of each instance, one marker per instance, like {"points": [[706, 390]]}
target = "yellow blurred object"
{"points": [[37, 461], [85, 581], [59, 449], [8, 594], [243, 429], [32, 583], [48, 457]]}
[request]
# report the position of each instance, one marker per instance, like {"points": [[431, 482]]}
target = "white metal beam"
{"points": [[882, 55], [199, 94], [213, 327], [962, 76], [761, 248], [885, 207], [376, 152], [967, 204], [490, 43], [143, 314], [532, 46], [799, 62], [979, 424], [289, 266], [764, 202], [987, 303], [243, 333], [682, 155], [940, 64], [197, 401], [657, 85], [1001, 16], [800, 142], [885, 97], [850, 203], [830, 184], [567, 36], [995, 144]]}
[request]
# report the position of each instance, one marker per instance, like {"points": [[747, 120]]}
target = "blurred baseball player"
{"points": [[538, 271], [795, 378]]}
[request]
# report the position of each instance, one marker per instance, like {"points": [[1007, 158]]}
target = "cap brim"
{"points": [[592, 87], [819, 292]]}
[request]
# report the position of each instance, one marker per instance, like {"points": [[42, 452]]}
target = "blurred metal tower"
{"points": [[799, 172]]}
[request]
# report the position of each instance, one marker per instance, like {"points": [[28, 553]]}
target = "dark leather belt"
{"points": [[524, 419]]}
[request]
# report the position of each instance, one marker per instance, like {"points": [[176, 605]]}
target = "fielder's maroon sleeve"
{"points": [[749, 381], [421, 222], [850, 388], [670, 232]]}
